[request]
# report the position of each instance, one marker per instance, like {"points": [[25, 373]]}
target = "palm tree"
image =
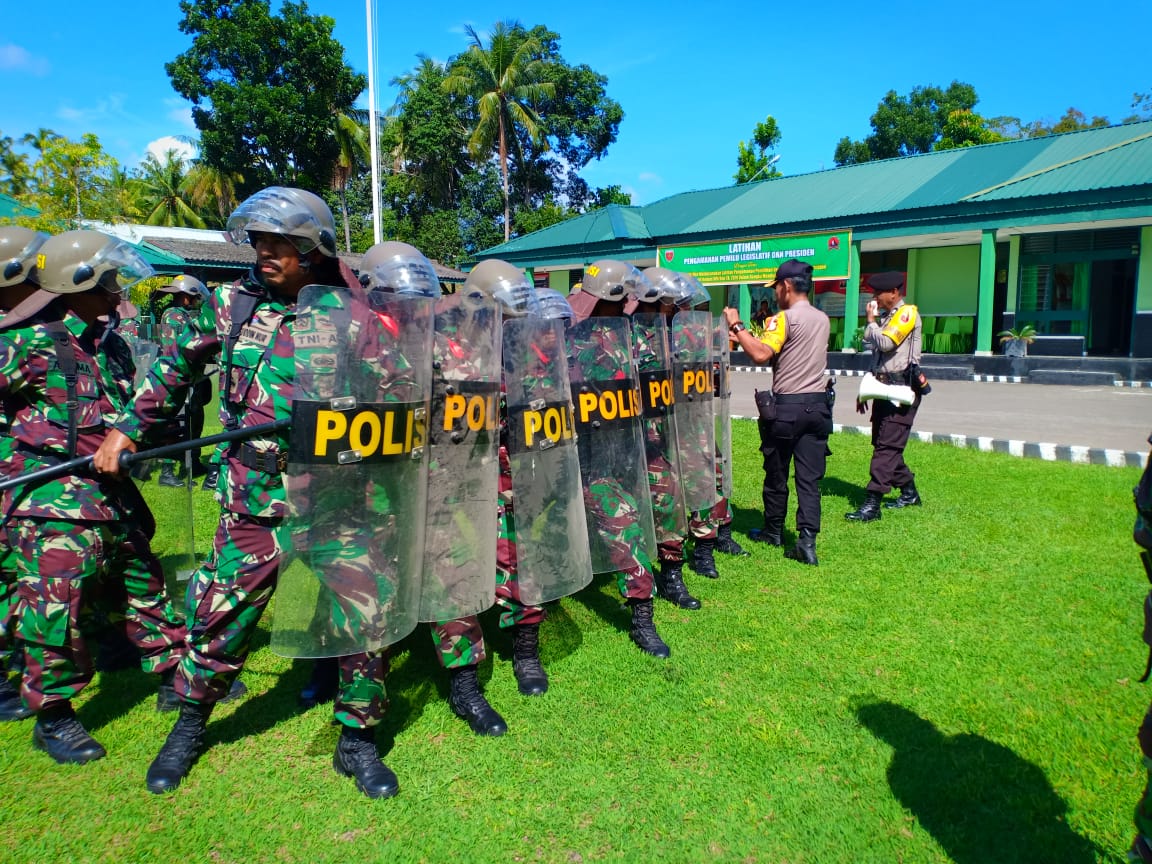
{"points": [[15, 172], [352, 152], [504, 79], [121, 196], [161, 192], [40, 139], [211, 190]]}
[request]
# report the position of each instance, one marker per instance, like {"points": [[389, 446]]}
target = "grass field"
{"points": [[955, 683]]}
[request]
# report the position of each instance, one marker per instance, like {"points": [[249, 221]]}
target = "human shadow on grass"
{"points": [[612, 609], [980, 801], [853, 493], [118, 694]]}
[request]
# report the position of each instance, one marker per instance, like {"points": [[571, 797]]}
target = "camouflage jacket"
{"points": [[35, 396], [172, 324], [256, 387]]}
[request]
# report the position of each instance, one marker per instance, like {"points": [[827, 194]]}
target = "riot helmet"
{"points": [[507, 284], [188, 285], [398, 268], [553, 304], [18, 246], [296, 214], [693, 293], [76, 261]]}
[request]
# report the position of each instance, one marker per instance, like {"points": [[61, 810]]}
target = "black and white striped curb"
{"points": [[1024, 449], [987, 379]]}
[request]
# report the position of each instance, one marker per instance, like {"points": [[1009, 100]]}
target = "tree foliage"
{"points": [[264, 89], [909, 124], [755, 160]]}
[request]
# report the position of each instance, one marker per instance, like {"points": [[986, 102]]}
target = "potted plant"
{"points": [[1017, 339]]}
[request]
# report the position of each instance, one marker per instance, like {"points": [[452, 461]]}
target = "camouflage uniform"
{"points": [[611, 508], [228, 594], [76, 540]]}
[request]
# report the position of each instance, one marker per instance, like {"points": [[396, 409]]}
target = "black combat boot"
{"points": [[12, 707], [703, 561], [466, 700], [869, 511], [670, 585], [167, 700], [323, 683], [643, 631], [531, 679], [356, 756], [183, 747], [59, 734], [725, 543], [773, 535], [805, 549], [211, 477], [908, 497], [168, 474]]}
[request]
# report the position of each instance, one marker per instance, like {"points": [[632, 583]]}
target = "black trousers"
{"points": [[891, 426], [800, 433]]}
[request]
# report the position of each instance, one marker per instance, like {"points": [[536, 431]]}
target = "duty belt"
{"points": [[267, 461], [801, 398]]}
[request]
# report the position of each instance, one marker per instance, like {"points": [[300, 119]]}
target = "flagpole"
{"points": [[372, 131]]}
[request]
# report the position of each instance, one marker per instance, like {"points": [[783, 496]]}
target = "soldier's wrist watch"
{"points": [[737, 327]]}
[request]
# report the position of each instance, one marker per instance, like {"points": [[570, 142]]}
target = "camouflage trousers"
{"points": [[702, 524], [461, 642], [68, 569], [227, 596], [613, 512], [665, 506], [8, 606]]}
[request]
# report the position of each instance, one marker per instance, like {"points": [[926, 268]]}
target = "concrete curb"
{"points": [[1025, 449], [989, 379]]}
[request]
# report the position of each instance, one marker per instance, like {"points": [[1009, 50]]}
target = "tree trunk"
{"points": [[344, 215], [504, 174]]}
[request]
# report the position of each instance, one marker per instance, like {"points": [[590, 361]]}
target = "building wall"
{"points": [[946, 279]]}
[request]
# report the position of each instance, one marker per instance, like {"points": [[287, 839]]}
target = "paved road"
{"points": [[1112, 417]]}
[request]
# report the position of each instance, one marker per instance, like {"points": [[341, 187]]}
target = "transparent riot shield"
{"points": [[722, 406], [610, 440], [553, 559], [654, 373], [356, 474], [691, 341], [463, 461]]}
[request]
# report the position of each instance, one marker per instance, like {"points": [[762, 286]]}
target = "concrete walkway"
{"points": [[1115, 419]]}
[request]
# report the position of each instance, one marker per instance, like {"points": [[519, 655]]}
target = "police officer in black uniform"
{"points": [[796, 417]]}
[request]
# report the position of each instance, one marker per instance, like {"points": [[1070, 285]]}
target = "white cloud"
{"points": [[18, 58], [649, 177], [111, 108], [180, 112], [161, 146]]}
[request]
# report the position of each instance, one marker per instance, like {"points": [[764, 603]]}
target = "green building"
{"points": [[1054, 232]]}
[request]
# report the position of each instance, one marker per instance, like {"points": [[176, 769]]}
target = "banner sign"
{"points": [[756, 260]]}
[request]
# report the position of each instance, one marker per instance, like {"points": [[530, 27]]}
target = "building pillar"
{"points": [[985, 298], [1013, 282], [910, 277], [1142, 323], [852, 296]]}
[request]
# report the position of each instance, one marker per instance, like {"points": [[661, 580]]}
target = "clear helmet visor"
{"points": [[408, 276], [279, 210]]}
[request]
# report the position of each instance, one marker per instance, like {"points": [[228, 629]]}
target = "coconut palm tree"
{"points": [[353, 151], [15, 172], [211, 191], [162, 195], [505, 80]]}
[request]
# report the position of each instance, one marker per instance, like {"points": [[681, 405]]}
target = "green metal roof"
{"points": [[973, 183], [10, 208]]}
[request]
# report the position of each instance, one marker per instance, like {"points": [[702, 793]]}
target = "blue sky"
{"points": [[693, 78]]}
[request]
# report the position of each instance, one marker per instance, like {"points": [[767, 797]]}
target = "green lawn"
{"points": [[955, 683]]}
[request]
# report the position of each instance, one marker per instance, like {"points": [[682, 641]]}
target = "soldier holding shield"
{"points": [[617, 499], [251, 326]]}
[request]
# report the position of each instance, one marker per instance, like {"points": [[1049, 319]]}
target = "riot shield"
{"points": [[553, 559], [463, 461], [610, 440], [356, 474], [691, 340], [722, 406], [657, 389]]}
